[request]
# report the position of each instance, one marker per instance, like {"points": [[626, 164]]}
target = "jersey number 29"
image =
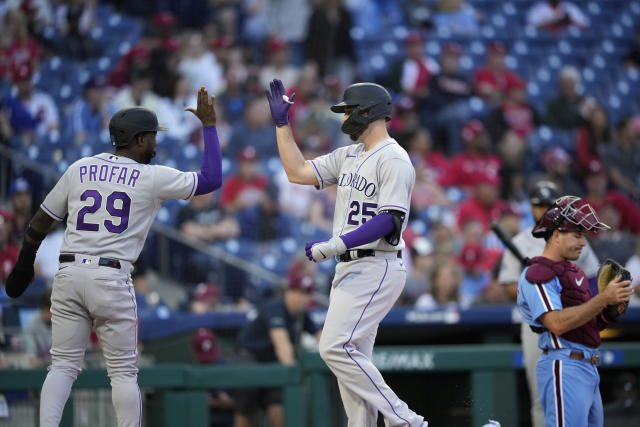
{"points": [[121, 212]]}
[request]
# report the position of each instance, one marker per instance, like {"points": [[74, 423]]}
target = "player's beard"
{"points": [[149, 154], [356, 135]]}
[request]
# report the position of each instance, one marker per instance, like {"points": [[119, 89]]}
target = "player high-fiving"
{"points": [[110, 201], [375, 179]]}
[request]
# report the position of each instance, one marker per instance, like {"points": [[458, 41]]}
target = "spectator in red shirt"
{"points": [[8, 251], [406, 120], [416, 70], [598, 195], [485, 204], [472, 259], [591, 139], [247, 194], [514, 114], [422, 154], [23, 49], [429, 165], [464, 167], [138, 58], [490, 81]]}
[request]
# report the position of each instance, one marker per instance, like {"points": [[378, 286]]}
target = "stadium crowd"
{"points": [[489, 98]]}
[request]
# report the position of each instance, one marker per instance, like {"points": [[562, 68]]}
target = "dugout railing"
{"points": [[180, 391]]}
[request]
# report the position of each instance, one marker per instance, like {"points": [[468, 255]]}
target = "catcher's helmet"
{"points": [[371, 102], [568, 213], [126, 123], [544, 193]]}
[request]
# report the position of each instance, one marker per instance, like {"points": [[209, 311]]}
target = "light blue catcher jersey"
{"points": [[534, 300]]}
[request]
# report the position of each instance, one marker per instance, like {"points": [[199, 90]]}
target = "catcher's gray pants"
{"points": [[85, 295], [532, 353], [362, 293]]}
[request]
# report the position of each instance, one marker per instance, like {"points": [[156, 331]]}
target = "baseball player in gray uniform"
{"points": [[375, 179], [542, 196], [111, 201]]}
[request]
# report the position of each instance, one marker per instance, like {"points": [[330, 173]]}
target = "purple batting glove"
{"points": [[308, 246], [279, 103]]}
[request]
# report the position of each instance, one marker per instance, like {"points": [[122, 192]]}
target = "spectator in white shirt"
{"points": [[200, 65], [278, 64], [556, 16], [139, 93]]}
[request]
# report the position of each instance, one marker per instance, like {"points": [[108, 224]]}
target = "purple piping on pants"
{"points": [[135, 312], [344, 346]]}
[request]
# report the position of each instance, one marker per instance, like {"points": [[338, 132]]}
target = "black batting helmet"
{"points": [[126, 123], [371, 102], [544, 193]]}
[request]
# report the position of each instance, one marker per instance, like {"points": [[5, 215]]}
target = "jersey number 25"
{"points": [[368, 210], [118, 212]]}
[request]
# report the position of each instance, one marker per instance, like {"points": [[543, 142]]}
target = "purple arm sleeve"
{"points": [[210, 175], [377, 227]]}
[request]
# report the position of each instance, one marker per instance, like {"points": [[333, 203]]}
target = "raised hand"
{"points": [[205, 110], [279, 102]]}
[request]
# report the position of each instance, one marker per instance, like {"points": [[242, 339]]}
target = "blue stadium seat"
{"points": [[243, 248]]}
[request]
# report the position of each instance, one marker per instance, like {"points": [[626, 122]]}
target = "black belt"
{"points": [[594, 359], [360, 253], [105, 262]]}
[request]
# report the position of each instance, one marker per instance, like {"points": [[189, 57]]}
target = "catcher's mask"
{"points": [[568, 213], [371, 102]]}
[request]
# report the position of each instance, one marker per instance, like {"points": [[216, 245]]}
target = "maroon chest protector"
{"points": [[575, 291]]}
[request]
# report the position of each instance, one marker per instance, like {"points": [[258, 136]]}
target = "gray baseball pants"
{"points": [[87, 295], [363, 291]]}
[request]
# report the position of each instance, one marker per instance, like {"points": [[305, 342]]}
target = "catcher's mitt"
{"points": [[607, 272]]}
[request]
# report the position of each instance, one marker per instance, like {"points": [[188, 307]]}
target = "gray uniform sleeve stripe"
{"points": [[47, 210]]}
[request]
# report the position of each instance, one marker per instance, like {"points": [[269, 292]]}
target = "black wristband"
{"points": [[34, 235]]}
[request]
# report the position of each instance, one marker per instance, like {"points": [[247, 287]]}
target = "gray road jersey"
{"points": [[112, 202], [368, 182], [510, 267]]}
